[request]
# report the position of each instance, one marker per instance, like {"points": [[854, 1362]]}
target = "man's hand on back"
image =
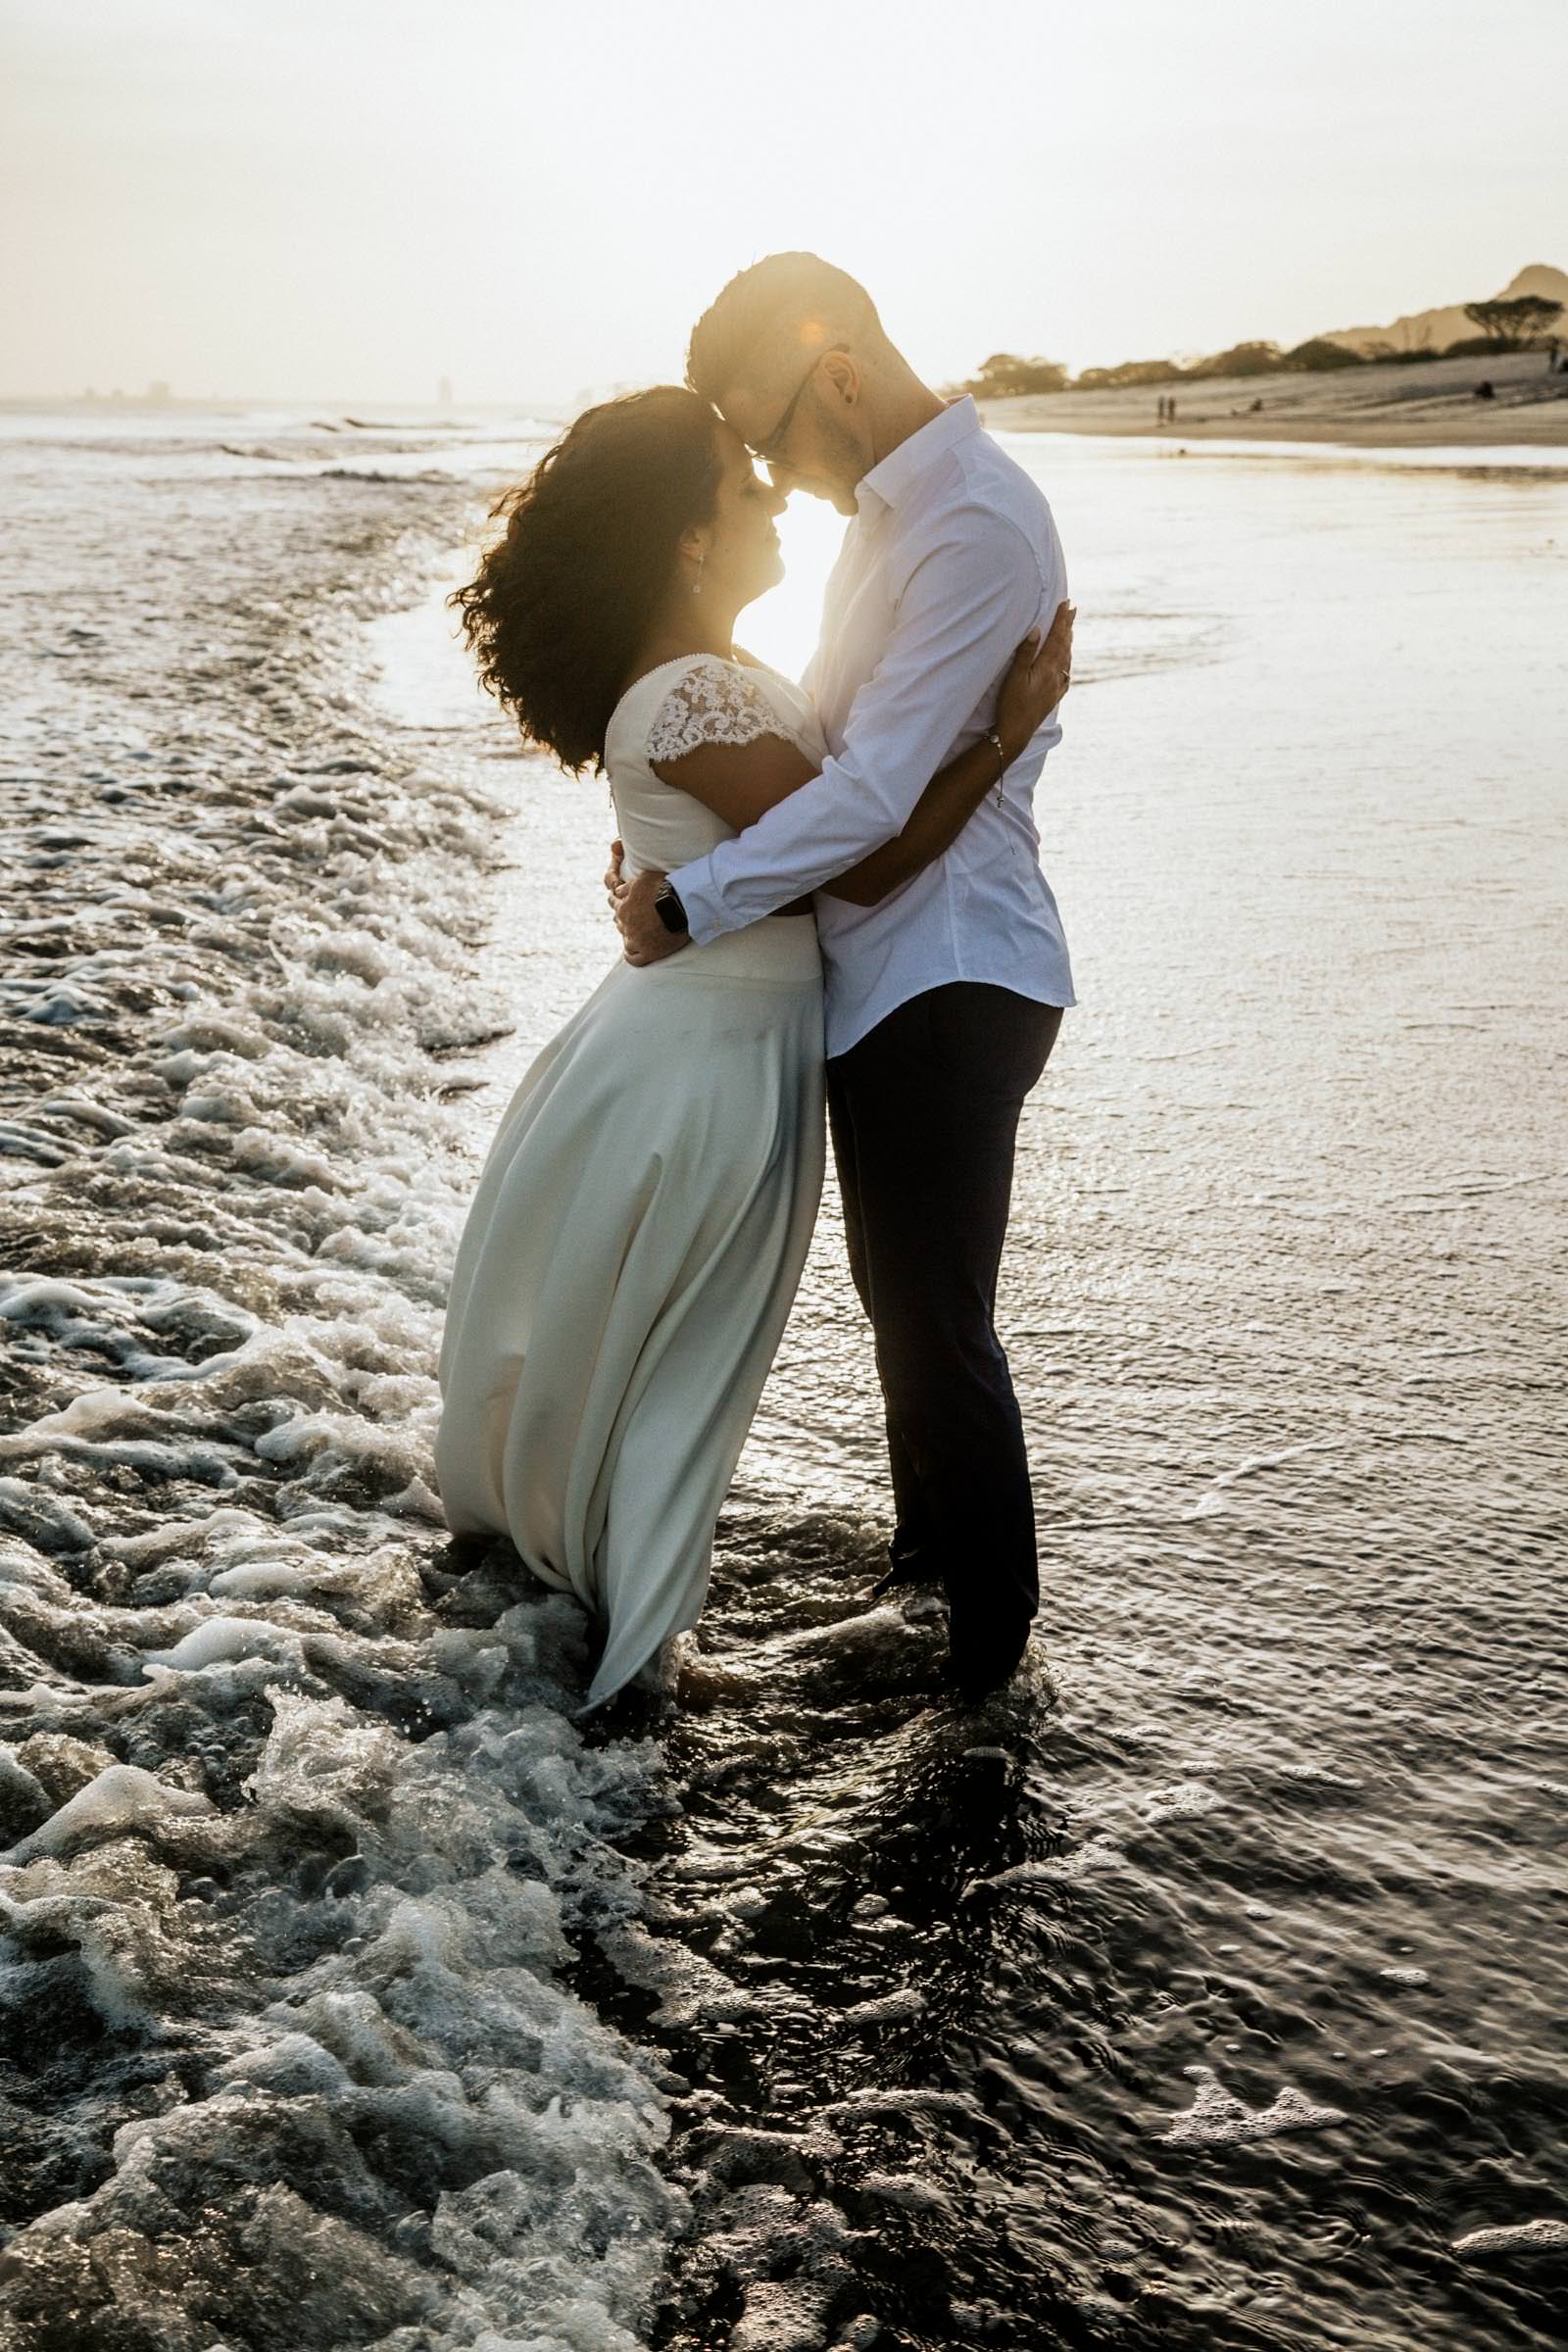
{"points": [[658, 940], [644, 933]]}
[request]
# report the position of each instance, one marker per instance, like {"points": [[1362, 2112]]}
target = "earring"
{"points": [[697, 584]]}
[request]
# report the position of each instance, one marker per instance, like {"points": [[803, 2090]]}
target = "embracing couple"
{"points": [[829, 893]]}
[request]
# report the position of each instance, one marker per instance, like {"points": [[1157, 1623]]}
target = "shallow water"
{"points": [[1214, 2000]]}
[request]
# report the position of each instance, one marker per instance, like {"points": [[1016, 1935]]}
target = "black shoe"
{"points": [[981, 1658]]}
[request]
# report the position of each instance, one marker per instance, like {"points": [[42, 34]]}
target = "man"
{"points": [[943, 1001]]}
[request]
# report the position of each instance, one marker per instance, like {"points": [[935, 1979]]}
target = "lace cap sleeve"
{"points": [[710, 701]]}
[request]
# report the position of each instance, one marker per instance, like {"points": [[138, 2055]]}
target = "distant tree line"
{"points": [[1510, 325], [1502, 326]]}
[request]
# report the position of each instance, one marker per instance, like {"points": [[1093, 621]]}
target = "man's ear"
{"points": [[842, 377]]}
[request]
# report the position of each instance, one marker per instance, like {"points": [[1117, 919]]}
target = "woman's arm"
{"points": [[741, 782], [1037, 678]]}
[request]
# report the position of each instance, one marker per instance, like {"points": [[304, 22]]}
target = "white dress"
{"points": [[637, 1234]]}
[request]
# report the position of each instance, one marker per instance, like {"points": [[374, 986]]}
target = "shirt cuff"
{"points": [[694, 887]]}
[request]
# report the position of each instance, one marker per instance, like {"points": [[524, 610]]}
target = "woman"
{"points": [[637, 1235]]}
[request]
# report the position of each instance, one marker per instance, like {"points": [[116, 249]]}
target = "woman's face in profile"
{"points": [[744, 558]]}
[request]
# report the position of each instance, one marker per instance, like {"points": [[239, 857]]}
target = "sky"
{"points": [[281, 201]]}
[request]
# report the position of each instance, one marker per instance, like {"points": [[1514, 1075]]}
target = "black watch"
{"points": [[672, 913]]}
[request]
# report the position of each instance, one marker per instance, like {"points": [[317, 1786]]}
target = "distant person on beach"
{"points": [[1485, 390], [639, 1227], [944, 999]]}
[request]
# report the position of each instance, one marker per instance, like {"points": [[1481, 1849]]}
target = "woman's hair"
{"points": [[563, 603]]}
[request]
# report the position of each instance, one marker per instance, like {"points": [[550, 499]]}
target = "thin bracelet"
{"points": [[993, 738]]}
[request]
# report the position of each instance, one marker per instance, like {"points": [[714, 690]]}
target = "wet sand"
{"points": [[1427, 405]]}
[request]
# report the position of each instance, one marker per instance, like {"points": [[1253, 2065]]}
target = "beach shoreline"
{"points": [[1427, 405]]}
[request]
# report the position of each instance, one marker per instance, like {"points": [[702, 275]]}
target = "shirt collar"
{"points": [[892, 479]]}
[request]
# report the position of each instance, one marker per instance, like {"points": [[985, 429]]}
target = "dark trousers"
{"points": [[924, 1117]]}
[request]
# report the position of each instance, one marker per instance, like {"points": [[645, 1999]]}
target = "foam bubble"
{"points": [[122, 1798], [1218, 2118], [1547, 2235]]}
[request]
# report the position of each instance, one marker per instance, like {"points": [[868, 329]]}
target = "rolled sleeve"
{"points": [[968, 598]]}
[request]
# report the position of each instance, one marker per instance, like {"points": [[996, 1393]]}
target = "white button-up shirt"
{"points": [[951, 558]]}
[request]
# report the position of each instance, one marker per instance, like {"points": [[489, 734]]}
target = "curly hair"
{"points": [[563, 602]]}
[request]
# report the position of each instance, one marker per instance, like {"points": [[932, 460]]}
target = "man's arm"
{"points": [[965, 605], [740, 783]]}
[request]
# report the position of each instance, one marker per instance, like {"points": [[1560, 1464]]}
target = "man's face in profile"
{"points": [[796, 434]]}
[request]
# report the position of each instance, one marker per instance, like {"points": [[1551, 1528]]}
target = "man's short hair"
{"points": [[771, 317]]}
